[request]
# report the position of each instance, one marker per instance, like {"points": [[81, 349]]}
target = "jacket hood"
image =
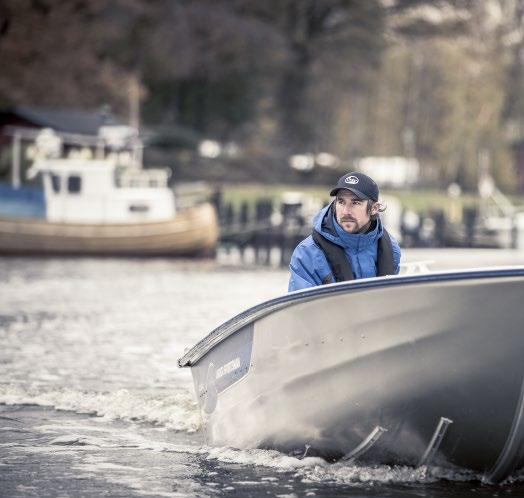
{"points": [[325, 223]]}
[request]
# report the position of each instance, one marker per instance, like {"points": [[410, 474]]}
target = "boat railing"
{"points": [[48, 143], [416, 267]]}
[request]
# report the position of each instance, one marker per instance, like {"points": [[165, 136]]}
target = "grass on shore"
{"points": [[417, 200]]}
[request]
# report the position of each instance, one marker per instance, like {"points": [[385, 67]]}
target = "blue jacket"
{"points": [[309, 266]]}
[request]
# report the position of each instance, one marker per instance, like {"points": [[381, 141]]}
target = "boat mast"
{"points": [[15, 160]]}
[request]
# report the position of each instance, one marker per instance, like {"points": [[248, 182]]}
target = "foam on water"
{"points": [[175, 411], [317, 470], [258, 457], [309, 470], [178, 412], [343, 473], [136, 478], [312, 470], [100, 448]]}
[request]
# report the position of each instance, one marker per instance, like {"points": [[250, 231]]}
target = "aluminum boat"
{"points": [[412, 370]]}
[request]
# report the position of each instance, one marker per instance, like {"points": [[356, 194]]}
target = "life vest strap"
{"points": [[340, 264]]}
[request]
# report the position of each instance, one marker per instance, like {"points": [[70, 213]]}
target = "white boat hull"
{"points": [[324, 368]]}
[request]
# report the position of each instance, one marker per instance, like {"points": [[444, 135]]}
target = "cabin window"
{"points": [[138, 208], [74, 184], [55, 183]]}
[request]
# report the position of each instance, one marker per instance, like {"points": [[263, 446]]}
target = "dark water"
{"points": [[93, 404]]}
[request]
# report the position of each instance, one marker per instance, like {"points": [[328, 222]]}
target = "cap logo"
{"points": [[352, 180]]}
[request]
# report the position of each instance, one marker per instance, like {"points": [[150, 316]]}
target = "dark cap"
{"points": [[358, 183]]}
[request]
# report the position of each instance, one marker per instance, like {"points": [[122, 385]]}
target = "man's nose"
{"points": [[347, 208]]}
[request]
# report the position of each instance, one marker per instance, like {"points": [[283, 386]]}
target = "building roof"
{"points": [[81, 121]]}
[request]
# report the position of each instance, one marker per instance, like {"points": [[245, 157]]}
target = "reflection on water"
{"points": [[92, 401]]}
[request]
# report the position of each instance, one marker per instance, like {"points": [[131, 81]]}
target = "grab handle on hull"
{"points": [[365, 445], [435, 441], [307, 447], [513, 449]]}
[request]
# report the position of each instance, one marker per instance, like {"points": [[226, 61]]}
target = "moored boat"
{"points": [[397, 370], [99, 200], [192, 232]]}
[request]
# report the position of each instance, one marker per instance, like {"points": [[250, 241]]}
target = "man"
{"points": [[348, 239]]}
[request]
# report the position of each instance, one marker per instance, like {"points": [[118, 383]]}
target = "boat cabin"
{"points": [[110, 188], [98, 191]]}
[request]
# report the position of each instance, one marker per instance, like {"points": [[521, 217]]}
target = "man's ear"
{"points": [[375, 208]]}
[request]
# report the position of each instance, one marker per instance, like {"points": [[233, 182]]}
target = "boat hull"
{"points": [[324, 368], [192, 232]]}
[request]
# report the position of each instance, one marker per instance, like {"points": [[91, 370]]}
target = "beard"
{"points": [[356, 226]]}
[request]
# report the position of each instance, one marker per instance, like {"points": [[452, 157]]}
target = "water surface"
{"points": [[92, 402]]}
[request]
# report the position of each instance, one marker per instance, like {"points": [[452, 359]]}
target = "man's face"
{"points": [[351, 212]]}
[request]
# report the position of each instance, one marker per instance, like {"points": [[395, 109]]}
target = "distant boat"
{"points": [[98, 200], [395, 370]]}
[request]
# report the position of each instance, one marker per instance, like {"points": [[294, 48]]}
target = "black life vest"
{"points": [[341, 266]]}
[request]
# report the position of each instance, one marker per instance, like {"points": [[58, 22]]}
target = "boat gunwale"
{"points": [[231, 326], [183, 215]]}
